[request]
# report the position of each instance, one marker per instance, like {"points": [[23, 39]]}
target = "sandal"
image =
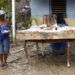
{"points": [[1, 65], [6, 65]]}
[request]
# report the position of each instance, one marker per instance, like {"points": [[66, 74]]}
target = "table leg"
{"points": [[68, 56], [42, 48], [26, 53], [37, 50]]}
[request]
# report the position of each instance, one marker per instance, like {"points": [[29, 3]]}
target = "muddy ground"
{"points": [[47, 65]]}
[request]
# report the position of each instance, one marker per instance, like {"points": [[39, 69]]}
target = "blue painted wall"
{"points": [[40, 7], [70, 9]]}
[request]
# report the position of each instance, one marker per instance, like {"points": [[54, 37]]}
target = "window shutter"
{"points": [[59, 6]]}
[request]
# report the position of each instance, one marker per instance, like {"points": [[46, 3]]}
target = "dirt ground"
{"points": [[47, 65]]}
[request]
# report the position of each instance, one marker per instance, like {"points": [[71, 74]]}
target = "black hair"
{"points": [[60, 18]]}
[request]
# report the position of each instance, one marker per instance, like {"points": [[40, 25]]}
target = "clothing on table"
{"points": [[62, 25], [59, 48]]}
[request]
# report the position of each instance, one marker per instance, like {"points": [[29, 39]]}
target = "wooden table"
{"points": [[49, 37], [49, 41]]}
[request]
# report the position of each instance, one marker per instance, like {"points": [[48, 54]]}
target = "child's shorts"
{"points": [[4, 46]]}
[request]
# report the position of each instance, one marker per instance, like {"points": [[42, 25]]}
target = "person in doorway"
{"points": [[4, 39], [59, 48]]}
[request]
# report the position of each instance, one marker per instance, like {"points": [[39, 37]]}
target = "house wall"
{"points": [[70, 9], [39, 7], [69, 21]]}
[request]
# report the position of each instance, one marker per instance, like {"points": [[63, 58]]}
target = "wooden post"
{"points": [[13, 20]]}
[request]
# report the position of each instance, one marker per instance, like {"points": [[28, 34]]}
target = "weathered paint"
{"points": [[40, 7], [66, 33], [70, 8]]}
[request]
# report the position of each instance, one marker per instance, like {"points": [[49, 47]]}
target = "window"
{"points": [[59, 6]]}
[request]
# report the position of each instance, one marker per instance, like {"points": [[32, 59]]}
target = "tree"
{"points": [[5, 4], [1, 3]]}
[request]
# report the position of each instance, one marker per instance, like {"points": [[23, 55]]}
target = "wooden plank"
{"points": [[36, 35]]}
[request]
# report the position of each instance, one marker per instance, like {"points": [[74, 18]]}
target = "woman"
{"points": [[59, 48], [4, 39]]}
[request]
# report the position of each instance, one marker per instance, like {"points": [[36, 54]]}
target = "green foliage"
{"points": [[11, 38], [6, 5], [1, 3], [36, 20], [21, 21], [19, 18], [27, 25]]}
